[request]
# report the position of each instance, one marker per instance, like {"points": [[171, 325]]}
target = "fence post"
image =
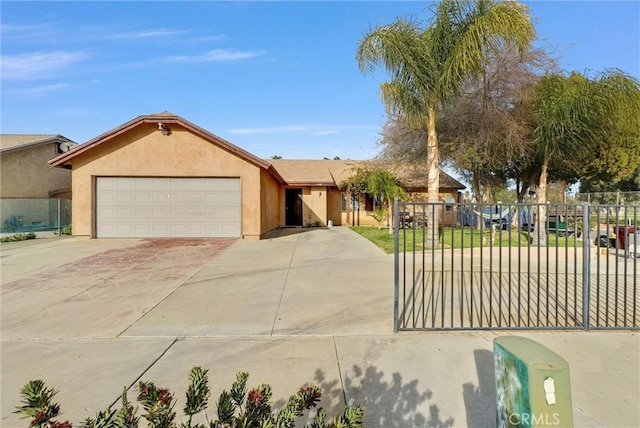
{"points": [[586, 268], [396, 265], [59, 218]]}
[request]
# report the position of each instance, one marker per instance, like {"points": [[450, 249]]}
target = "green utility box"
{"points": [[532, 385]]}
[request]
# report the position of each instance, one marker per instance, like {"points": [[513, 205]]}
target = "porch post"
{"points": [[348, 203]]}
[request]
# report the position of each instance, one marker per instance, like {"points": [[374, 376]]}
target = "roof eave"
{"points": [[311, 184], [50, 140], [62, 160]]}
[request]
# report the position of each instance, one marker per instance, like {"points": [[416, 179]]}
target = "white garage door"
{"points": [[137, 207]]}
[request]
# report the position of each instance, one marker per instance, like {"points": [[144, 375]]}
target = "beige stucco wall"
{"points": [[363, 218], [271, 202], [314, 205], [26, 173], [334, 206], [145, 152]]}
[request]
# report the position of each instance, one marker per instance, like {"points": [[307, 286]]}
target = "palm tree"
{"points": [[380, 182], [575, 117], [428, 66]]}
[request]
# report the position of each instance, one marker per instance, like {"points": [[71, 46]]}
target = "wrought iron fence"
{"points": [[518, 266], [34, 215]]}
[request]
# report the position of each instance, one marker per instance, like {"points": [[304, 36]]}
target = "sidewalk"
{"points": [[314, 307]]}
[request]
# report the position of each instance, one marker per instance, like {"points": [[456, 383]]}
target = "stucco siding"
{"points": [[314, 206], [334, 206], [26, 173], [145, 152], [270, 202]]}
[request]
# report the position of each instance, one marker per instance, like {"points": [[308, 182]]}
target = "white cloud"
{"points": [[145, 34], [216, 55], [203, 39], [328, 132], [38, 91], [38, 65], [28, 33]]}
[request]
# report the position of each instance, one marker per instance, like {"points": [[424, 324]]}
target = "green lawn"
{"points": [[455, 238]]}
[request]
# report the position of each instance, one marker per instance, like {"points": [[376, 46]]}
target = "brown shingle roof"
{"points": [[11, 142], [332, 172], [313, 171]]}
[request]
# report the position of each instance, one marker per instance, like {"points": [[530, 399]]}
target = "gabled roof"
{"points": [[415, 177], [165, 118], [15, 142], [306, 172], [314, 172]]}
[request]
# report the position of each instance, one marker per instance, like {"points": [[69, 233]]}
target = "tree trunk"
{"points": [[476, 188], [433, 180], [540, 233]]}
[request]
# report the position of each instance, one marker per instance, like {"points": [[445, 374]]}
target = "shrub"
{"points": [[379, 215], [235, 408], [18, 237]]}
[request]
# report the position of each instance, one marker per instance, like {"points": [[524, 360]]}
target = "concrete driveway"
{"points": [[92, 316]]}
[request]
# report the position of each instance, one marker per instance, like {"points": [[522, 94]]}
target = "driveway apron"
{"points": [[102, 294], [320, 282]]}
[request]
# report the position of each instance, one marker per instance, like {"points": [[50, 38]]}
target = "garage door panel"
{"points": [[142, 199], [168, 207], [196, 199], [212, 199], [144, 214], [229, 231], [231, 185], [107, 196], [213, 185], [124, 198], [159, 214], [160, 229], [196, 215], [123, 185], [160, 199], [178, 199], [230, 199]]}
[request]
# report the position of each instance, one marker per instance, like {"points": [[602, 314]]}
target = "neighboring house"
{"points": [[33, 195], [25, 171], [162, 176]]}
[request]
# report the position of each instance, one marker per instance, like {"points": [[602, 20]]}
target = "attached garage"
{"points": [[146, 207], [160, 176]]}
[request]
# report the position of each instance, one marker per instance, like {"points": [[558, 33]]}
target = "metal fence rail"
{"points": [[34, 215], [522, 266]]}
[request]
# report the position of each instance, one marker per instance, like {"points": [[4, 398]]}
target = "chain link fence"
{"points": [[34, 215]]}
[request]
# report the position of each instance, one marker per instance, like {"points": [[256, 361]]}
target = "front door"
{"points": [[293, 207]]}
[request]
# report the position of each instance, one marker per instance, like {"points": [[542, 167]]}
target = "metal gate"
{"points": [[518, 266]]}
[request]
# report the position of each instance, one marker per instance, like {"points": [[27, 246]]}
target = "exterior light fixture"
{"points": [[164, 128]]}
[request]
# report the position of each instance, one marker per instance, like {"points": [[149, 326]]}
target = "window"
{"points": [[355, 205], [449, 203], [368, 202]]}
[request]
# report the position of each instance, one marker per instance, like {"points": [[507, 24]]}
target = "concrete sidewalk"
{"points": [[314, 306]]}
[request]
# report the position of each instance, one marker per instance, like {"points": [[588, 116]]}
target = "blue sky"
{"points": [[275, 78]]}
